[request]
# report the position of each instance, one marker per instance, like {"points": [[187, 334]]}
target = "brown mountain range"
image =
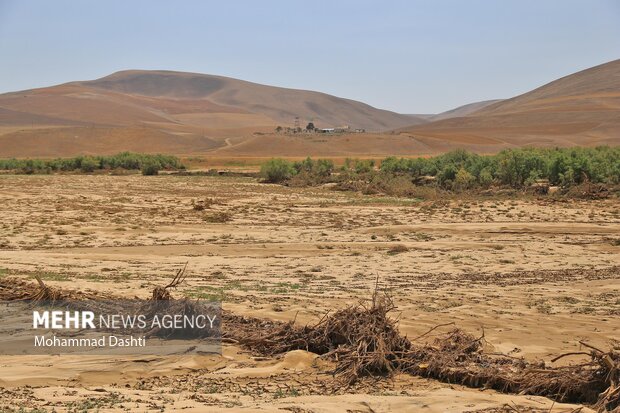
{"points": [[188, 113], [167, 111]]}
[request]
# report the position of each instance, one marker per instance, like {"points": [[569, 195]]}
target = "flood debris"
{"points": [[364, 340]]}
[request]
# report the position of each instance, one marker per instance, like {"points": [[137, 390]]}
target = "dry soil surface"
{"points": [[536, 275]]}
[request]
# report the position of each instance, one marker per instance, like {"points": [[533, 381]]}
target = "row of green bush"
{"points": [[515, 167], [148, 164], [279, 170], [459, 169]]}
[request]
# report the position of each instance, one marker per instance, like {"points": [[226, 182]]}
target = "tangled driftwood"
{"points": [[163, 293], [363, 339], [12, 288]]}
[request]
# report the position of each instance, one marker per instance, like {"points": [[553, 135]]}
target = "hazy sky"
{"points": [[408, 56]]}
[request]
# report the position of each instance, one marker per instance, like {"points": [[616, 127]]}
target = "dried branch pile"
{"points": [[458, 358], [16, 289], [19, 289], [364, 340]]}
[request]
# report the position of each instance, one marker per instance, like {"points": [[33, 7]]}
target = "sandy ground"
{"points": [[536, 275]]}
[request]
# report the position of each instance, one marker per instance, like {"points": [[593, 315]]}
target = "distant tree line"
{"points": [[279, 170], [515, 168], [460, 170], [148, 164], [309, 128]]}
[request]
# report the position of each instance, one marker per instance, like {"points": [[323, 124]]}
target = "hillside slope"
{"points": [[579, 109], [464, 110], [168, 112], [280, 104], [188, 113]]}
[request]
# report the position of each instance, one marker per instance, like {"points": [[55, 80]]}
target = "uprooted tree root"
{"points": [[163, 293], [46, 293], [582, 383], [161, 302], [364, 340], [18, 289]]}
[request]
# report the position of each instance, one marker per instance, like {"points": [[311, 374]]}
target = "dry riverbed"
{"points": [[535, 275]]}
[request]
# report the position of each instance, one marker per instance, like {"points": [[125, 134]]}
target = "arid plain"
{"points": [[534, 274]]}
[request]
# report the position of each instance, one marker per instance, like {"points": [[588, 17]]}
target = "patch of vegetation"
{"points": [[458, 171], [397, 249], [305, 173], [208, 293], [568, 299], [148, 164], [150, 167], [290, 392], [96, 403], [276, 170], [218, 217], [585, 310], [541, 305], [515, 168], [54, 276], [285, 288]]}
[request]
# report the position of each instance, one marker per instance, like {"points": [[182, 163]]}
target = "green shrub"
{"points": [[463, 180], [363, 166], [323, 167], [276, 170], [447, 175], [309, 172], [89, 164], [485, 178], [150, 167]]}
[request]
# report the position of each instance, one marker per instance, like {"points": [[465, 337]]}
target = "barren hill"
{"points": [[168, 112], [464, 110], [579, 109], [280, 104], [189, 113]]}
